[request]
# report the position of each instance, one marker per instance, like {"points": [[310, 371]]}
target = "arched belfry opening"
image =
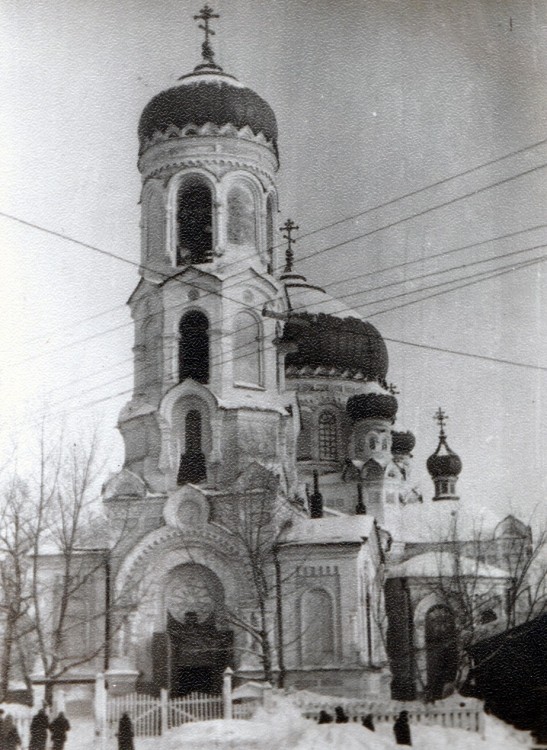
{"points": [[194, 221], [194, 347], [241, 216], [192, 467]]}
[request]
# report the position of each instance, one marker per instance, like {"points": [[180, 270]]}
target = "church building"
{"points": [[259, 517]]}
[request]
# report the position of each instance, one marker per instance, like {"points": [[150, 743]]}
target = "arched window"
{"points": [[317, 621], [194, 347], [192, 466], [441, 650], [194, 222], [247, 354], [154, 227], [241, 216], [328, 437]]}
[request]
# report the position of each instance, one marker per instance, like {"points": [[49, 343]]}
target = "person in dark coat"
{"points": [[324, 718], [341, 716], [10, 735], [125, 733], [38, 731], [58, 729], [401, 729], [368, 722]]}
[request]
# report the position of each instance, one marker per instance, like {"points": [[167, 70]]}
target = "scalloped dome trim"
{"points": [[208, 129]]}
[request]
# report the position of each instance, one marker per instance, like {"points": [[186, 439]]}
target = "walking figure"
{"points": [[324, 717], [58, 729], [125, 733], [368, 722], [401, 729], [10, 735], [341, 716], [38, 731]]}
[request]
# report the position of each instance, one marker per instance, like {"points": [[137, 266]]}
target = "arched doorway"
{"points": [[197, 643], [441, 650]]}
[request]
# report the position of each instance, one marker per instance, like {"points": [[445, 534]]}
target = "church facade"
{"points": [[261, 504]]}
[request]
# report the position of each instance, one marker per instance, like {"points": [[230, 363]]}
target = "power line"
{"points": [[425, 211], [497, 360], [524, 264], [491, 275], [441, 254]]}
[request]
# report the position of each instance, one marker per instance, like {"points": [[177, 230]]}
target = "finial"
{"points": [[441, 417], [289, 226], [392, 388], [205, 15]]}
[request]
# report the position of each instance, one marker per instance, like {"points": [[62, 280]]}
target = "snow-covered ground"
{"points": [[283, 728]]}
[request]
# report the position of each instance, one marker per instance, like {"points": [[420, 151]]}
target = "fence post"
{"points": [[100, 709], [164, 711], [227, 693]]}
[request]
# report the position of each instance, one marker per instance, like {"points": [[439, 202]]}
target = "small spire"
{"points": [[289, 226], [206, 14], [441, 418]]}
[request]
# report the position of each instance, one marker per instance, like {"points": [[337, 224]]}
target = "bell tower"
{"points": [[206, 367]]}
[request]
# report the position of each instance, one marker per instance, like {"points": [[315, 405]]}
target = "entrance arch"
{"points": [[197, 645], [441, 649]]}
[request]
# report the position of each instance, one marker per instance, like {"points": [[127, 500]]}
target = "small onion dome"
{"points": [[208, 95], [372, 406], [402, 442], [444, 462], [329, 341]]}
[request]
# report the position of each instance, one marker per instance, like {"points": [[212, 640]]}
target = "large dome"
{"points": [[327, 341], [207, 96]]}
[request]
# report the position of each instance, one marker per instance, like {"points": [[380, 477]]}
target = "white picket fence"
{"points": [[151, 716], [462, 713]]}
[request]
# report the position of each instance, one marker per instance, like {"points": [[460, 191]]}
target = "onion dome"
{"points": [[444, 465], [325, 341], [444, 462], [372, 406], [402, 442], [207, 96]]}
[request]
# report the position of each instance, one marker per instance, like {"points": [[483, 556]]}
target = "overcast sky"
{"points": [[375, 99]]}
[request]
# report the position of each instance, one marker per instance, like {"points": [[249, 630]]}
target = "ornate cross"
{"points": [[205, 15], [289, 226], [441, 417], [392, 388]]}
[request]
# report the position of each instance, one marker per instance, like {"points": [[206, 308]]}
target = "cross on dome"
{"points": [[441, 418], [289, 226], [206, 14]]}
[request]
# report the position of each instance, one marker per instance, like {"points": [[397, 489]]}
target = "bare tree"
{"points": [[58, 608], [483, 585]]}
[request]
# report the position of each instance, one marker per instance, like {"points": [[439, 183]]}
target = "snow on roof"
{"points": [[331, 530], [437, 563]]}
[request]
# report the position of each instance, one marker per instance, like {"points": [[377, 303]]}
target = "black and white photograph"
{"points": [[273, 357]]}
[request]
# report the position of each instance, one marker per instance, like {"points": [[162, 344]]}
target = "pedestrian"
{"points": [[125, 733], [368, 722], [324, 717], [38, 731], [341, 716], [401, 729], [10, 735], [58, 729]]}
